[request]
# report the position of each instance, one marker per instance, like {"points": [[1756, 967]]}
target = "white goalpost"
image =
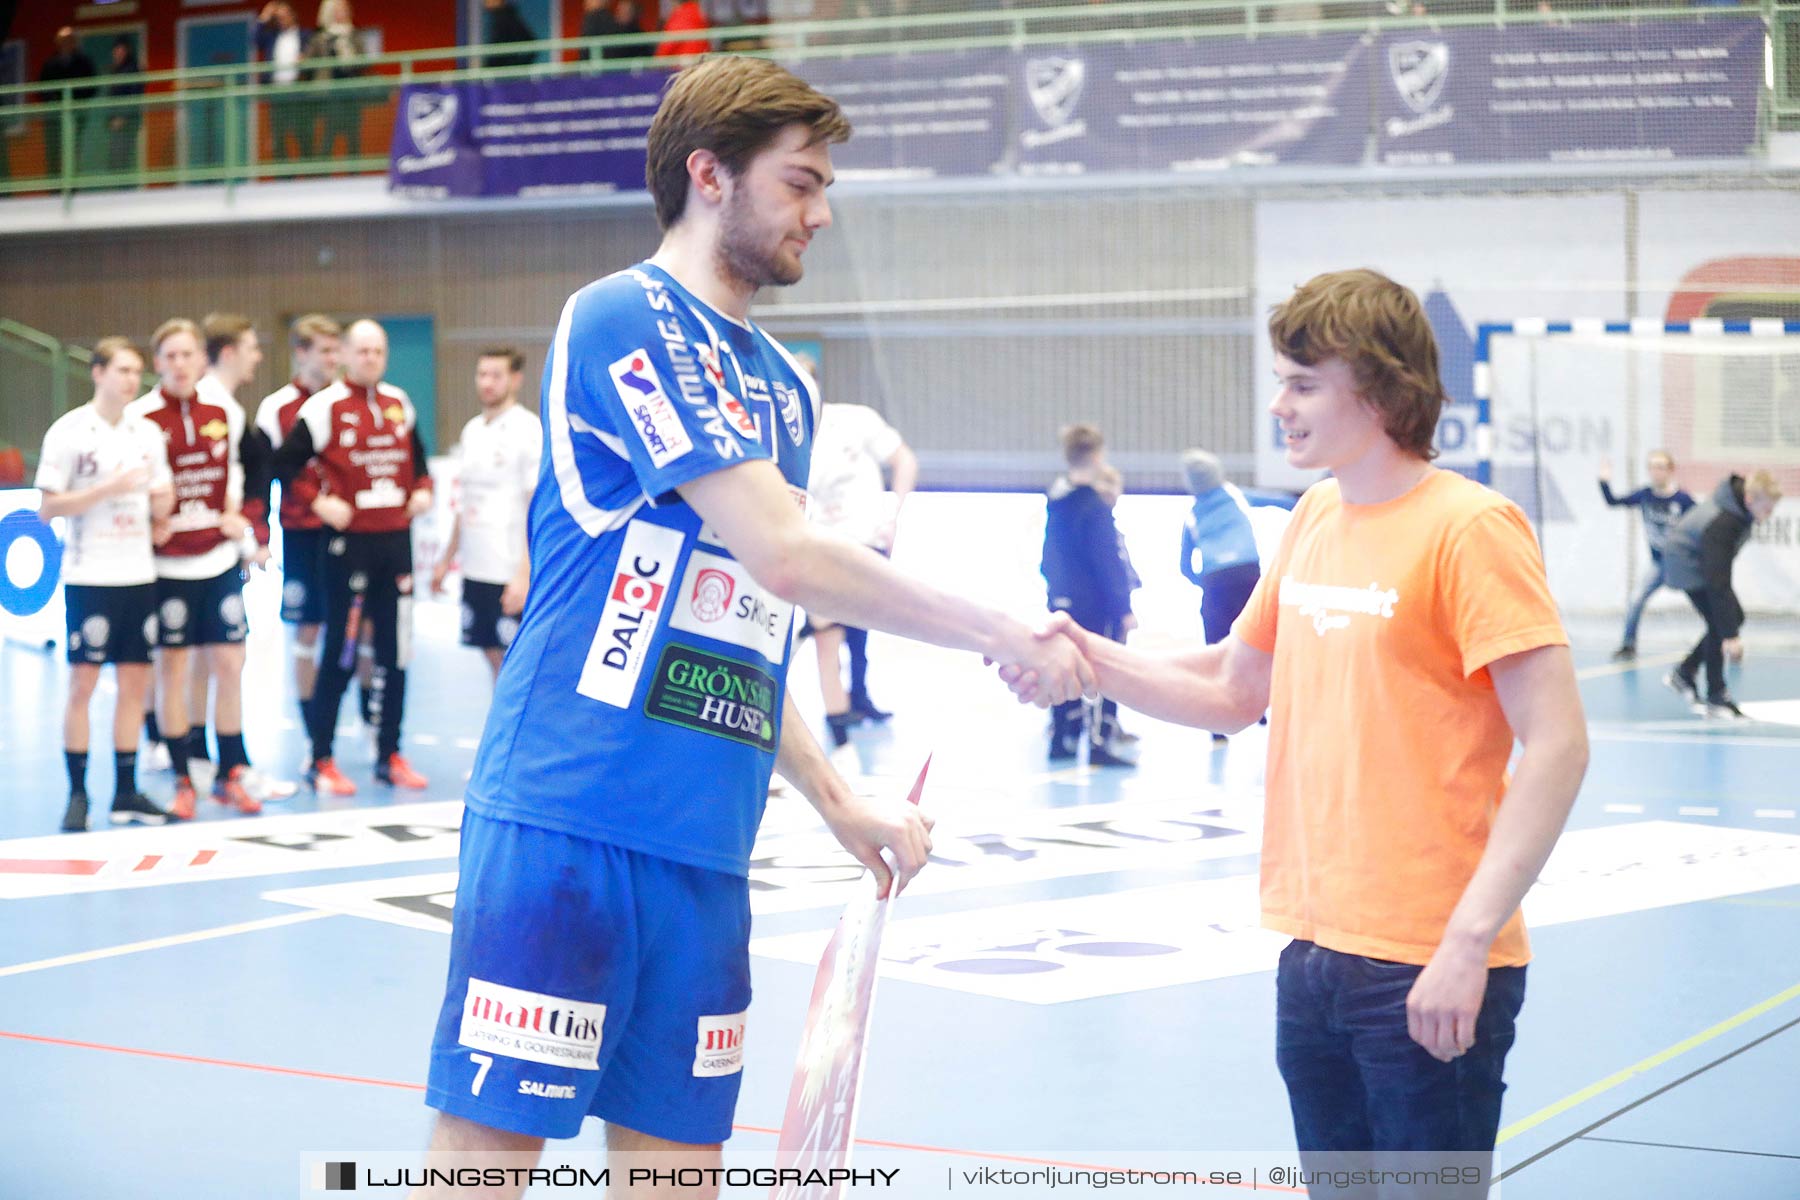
{"points": [[1555, 399]]}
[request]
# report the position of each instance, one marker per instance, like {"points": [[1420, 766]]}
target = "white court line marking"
{"points": [[1694, 739], [426, 739], [468, 743], [180, 939], [1625, 808], [1782, 814], [1697, 810], [1640, 664]]}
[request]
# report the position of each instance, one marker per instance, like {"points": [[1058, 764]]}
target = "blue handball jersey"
{"points": [[640, 702]]}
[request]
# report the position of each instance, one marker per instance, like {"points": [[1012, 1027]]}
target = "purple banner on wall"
{"points": [[1584, 93], [1196, 106], [918, 116], [524, 138]]}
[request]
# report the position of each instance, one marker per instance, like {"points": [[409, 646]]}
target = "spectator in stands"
{"points": [[330, 53], [614, 18], [685, 17], [504, 24], [281, 41], [69, 63], [122, 123]]}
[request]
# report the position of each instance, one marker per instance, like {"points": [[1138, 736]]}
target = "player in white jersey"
{"points": [[107, 475], [497, 468], [855, 447]]}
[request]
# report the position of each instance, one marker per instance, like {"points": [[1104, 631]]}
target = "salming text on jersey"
{"points": [[640, 703]]}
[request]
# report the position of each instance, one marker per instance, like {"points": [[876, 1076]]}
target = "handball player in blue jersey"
{"points": [[599, 962]]}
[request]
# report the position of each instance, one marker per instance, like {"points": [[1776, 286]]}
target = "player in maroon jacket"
{"points": [[316, 341], [363, 436], [199, 573]]}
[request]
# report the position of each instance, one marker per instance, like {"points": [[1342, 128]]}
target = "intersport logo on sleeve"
{"points": [[648, 408]]}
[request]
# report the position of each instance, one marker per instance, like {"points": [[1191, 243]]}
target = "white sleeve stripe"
{"points": [[592, 519]]}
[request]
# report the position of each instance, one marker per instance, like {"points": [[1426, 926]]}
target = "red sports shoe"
{"points": [[397, 772], [230, 790], [185, 799], [325, 777]]}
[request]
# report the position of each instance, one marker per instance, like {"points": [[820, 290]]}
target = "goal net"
{"points": [[1562, 398]]}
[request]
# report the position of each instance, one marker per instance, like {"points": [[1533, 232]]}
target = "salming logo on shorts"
{"points": [[532, 1026]]}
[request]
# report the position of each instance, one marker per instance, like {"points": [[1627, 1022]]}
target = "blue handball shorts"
{"points": [[587, 979]]}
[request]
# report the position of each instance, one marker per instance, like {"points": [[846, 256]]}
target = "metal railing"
{"points": [[229, 125], [41, 378]]}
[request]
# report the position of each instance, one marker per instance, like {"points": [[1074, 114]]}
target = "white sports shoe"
{"points": [[202, 772], [156, 758], [266, 787]]}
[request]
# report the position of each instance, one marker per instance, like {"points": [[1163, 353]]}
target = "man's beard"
{"points": [[741, 258]]}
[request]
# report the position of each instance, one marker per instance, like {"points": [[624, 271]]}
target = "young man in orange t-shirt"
{"points": [[1402, 638]]}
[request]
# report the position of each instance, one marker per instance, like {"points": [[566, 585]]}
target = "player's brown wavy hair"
{"points": [[734, 106], [1379, 329]]}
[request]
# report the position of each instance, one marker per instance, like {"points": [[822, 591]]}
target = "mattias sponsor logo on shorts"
{"points": [[648, 408], [715, 695], [532, 1026], [634, 604], [720, 600], [719, 1046]]}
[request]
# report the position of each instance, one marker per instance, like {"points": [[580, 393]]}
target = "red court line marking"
{"points": [[400, 1085], [51, 866], [148, 861], [202, 858], [211, 1062]]}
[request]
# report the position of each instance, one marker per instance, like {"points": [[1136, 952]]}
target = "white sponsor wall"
{"points": [[1558, 412], [1736, 244]]}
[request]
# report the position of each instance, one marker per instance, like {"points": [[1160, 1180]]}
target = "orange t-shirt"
{"points": [[1387, 743]]}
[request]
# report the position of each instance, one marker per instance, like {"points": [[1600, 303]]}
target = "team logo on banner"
{"points": [[1054, 86], [430, 119], [1419, 70]]}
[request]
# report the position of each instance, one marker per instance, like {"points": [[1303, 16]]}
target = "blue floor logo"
{"points": [[21, 591]]}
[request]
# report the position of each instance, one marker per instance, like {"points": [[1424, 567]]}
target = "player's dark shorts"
{"points": [[586, 979], [110, 624], [303, 576], [202, 612], [483, 624]]}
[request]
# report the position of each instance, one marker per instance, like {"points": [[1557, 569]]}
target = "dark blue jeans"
{"points": [[1358, 1083]]}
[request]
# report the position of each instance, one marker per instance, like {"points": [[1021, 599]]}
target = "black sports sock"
{"points": [[77, 764], [124, 773], [178, 755], [196, 742], [231, 752], [151, 730], [840, 729]]}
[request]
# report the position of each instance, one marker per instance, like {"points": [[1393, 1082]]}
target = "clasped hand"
{"points": [[1053, 667]]}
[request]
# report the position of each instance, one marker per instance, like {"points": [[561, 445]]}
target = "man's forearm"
{"points": [[1188, 689], [1525, 830], [852, 585], [71, 504], [800, 759]]}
